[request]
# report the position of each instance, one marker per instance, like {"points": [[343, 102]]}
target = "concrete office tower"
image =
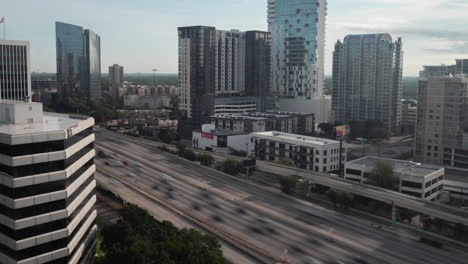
{"points": [[15, 75], [47, 186], [116, 75], [230, 62], [257, 66], [297, 59], [78, 63], [197, 72], [460, 67], [367, 80], [442, 124]]}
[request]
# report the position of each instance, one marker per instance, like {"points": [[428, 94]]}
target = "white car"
{"points": [[131, 174]]}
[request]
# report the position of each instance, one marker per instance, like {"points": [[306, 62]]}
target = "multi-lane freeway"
{"points": [[257, 220]]}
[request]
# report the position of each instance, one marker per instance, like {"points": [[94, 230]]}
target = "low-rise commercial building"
{"points": [[419, 180], [220, 141], [287, 122], [46, 186], [310, 153]]}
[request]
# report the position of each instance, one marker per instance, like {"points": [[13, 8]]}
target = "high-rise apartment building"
{"points": [[257, 66], [229, 62], [15, 78], [116, 75], [197, 71], [78, 63], [367, 80], [442, 121], [297, 59], [460, 67]]}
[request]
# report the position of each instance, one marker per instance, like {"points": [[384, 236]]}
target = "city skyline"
{"points": [[147, 30]]}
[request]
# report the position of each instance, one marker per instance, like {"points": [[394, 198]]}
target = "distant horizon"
{"points": [[160, 74], [143, 36]]}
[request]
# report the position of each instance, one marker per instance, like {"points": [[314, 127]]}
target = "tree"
{"points": [[205, 159], [288, 184], [232, 167], [327, 129], [285, 162], [345, 199], [138, 238], [175, 100], [383, 176], [238, 153], [189, 154]]}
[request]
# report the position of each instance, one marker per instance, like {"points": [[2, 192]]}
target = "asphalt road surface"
{"points": [[285, 227]]}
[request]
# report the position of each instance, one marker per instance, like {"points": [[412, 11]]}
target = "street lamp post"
{"points": [[154, 73]]}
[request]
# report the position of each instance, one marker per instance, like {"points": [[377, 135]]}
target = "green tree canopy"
{"points": [[383, 176], [345, 199], [138, 238], [288, 183], [232, 167]]}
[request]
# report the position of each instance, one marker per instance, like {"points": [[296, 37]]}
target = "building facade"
{"points": [[315, 154], [298, 36], [116, 75], [78, 63], [47, 186], [442, 121], [257, 66], [408, 118], [196, 71], [415, 179], [93, 65], [229, 62], [295, 123], [367, 80], [15, 78]]}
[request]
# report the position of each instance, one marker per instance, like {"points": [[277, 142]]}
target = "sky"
{"points": [[142, 34]]}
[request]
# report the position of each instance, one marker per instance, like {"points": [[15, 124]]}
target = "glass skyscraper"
{"points": [[298, 35], [93, 64], [78, 63]]}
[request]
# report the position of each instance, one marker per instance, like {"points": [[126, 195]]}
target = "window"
{"points": [[411, 184], [353, 172], [325, 153]]}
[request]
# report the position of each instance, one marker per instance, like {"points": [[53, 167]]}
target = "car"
{"points": [[131, 174], [311, 260]]}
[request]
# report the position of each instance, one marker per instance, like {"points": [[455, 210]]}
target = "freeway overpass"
{"points": [[390, 197]]}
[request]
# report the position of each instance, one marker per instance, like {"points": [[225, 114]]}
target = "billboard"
{"points": [[343, 131]]}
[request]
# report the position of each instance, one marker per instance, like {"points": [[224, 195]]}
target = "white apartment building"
{"points": [[47, 186], [415, 179], [315, 154], [15, 77]]}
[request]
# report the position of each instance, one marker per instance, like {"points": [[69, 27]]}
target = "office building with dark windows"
{"points": [[15, 79], [197, 72], [78, 63], [415, 179], [257, 66], [46, 186], [116, 75]]}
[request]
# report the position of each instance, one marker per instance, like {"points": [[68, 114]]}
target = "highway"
{"points": [[258, 220]]}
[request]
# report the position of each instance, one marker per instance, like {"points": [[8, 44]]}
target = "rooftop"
{"points": [[400, 166], [51, 122], [296, 139]]}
